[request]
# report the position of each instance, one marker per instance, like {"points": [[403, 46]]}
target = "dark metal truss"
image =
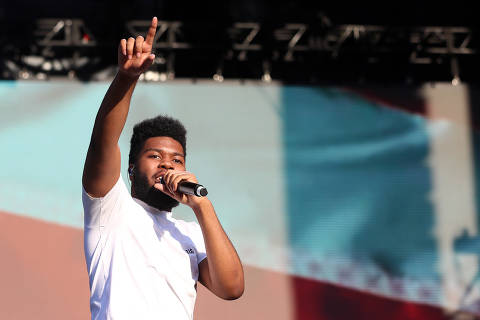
{"points": [[287, 51]]}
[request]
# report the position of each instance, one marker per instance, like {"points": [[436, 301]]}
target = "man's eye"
{"points": [[177, 161], [154, 156]]}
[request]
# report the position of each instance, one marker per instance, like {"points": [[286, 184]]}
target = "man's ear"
{"points": [[131, 172]]}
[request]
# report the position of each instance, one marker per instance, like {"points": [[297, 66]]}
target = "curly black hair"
{"points": [[160, 126]]}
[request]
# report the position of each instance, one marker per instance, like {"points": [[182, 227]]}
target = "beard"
{"points": [[152, 196]]}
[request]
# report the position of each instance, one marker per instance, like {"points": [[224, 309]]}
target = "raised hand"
{"points": [[135, 55]]}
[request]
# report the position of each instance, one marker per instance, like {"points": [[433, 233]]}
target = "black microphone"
{"points": [[192, 188]]}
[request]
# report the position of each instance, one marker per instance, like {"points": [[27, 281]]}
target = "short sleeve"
{"points": [[98, 211], [197, 238]]}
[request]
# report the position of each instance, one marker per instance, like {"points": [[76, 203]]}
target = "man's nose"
{"points": [[166, 164]]}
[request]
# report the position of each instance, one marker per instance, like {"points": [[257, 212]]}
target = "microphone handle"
{"points": [[192, 188]]}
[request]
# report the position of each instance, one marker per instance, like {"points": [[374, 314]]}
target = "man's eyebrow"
{"points": [[163, 150]]}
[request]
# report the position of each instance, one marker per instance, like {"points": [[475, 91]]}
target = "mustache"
{"points": [[152, 196]]}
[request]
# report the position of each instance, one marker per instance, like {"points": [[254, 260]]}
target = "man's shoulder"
{"points": [[102, 210], [119, 189]]}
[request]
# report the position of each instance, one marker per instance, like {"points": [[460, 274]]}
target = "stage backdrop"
{"points": [[343, 202]]}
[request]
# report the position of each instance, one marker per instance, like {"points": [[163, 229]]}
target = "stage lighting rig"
{"points": [[295, 52]]}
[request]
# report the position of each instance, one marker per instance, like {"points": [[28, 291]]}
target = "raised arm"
{"points": [[102, 165]]}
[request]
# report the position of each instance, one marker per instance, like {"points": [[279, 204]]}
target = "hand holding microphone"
{"points": [[185, 187]]}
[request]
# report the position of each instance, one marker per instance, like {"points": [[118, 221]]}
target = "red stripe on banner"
{"points": [[43, 274], [316, 300], [408, 99]]}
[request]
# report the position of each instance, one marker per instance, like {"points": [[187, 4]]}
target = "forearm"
{"points": [[102, 165], [113, 111], [225, 268]]}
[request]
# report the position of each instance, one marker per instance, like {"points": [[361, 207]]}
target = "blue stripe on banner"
{"points": [[234, 148], [358, 187], [466, 243], [44, 143]]}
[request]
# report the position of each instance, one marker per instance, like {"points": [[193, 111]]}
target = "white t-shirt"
{"points": [[142, 263]]}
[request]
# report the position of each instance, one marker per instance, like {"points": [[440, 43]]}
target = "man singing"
{"points": [[143, 263]]}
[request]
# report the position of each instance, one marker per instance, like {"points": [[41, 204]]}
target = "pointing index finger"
{"points": [[151, 32]]}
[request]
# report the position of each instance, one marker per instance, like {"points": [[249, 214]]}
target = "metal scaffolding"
{"points": [[289, 52]]}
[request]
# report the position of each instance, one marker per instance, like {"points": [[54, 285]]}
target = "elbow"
{"points": [[233, 294], [234, 291]]}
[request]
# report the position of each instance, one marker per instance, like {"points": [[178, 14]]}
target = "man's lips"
{"points": [[158, 177]]}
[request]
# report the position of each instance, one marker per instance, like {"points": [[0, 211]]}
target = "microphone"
{"points": [[192, 188]]}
